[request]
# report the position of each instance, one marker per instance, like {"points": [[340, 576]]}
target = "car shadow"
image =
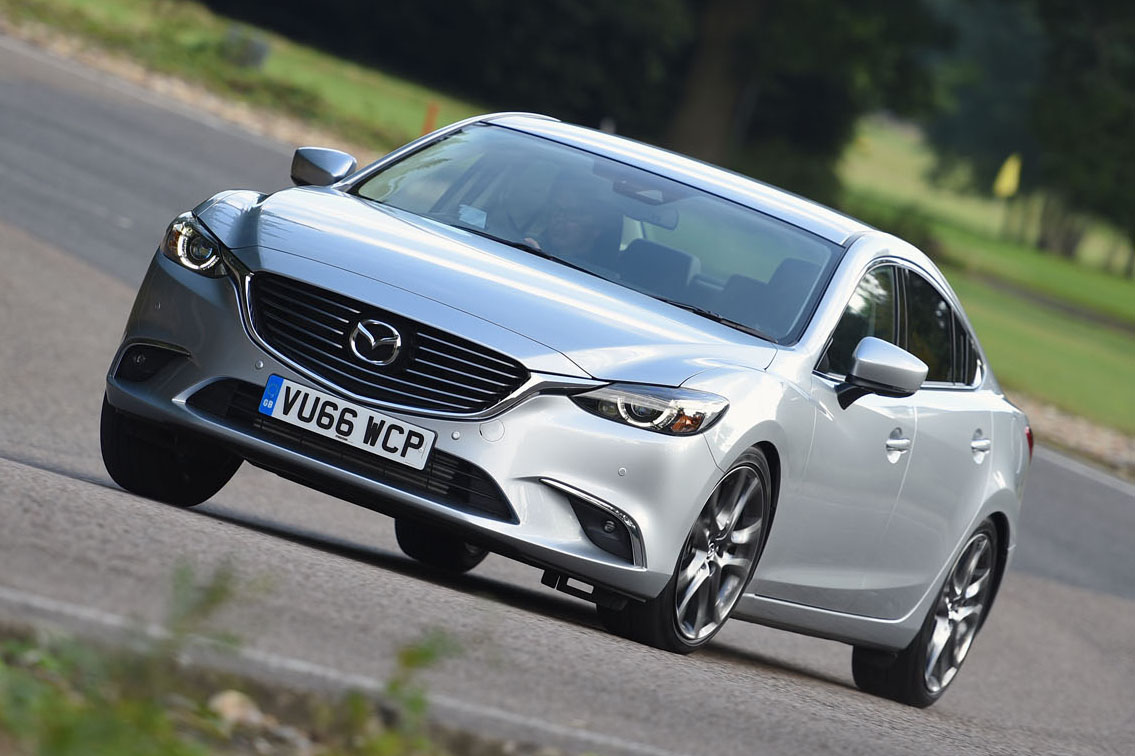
{"points": [[756, 661], [541, 601]]}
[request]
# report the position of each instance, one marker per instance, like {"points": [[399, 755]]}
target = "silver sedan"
{"points": [[685, 395]]}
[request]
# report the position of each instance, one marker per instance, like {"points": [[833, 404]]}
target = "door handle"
{"points": [[981, 444], [898, 444]]}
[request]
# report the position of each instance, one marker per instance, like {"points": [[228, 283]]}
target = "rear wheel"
{"points": [[436, 547], [716, 563], [171, 465], [920, 673]]}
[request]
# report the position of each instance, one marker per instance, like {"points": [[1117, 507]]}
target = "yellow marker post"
{"points": [[1008, 178], [1005, 186]]}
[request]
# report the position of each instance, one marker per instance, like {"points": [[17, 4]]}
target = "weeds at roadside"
{"points": [[64, 697]]}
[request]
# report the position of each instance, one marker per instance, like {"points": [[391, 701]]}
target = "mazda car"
{"points": [[684, 395]]}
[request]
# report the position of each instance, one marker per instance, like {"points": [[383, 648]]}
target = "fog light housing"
{"points": [[141, 362], [606, 526]]}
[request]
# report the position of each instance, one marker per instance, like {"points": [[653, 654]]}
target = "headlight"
{"points": [[189, 244], [674, 411]]}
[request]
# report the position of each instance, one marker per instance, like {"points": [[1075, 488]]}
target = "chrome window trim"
{"points": [[350, 183], [955, 307]]}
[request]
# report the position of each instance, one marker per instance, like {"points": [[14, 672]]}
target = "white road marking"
{"points": [[1087, 471], [23, 601]]}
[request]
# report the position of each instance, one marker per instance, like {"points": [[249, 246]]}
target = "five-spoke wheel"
{"points": [[720, 554], [715, 564], [919, 674]]}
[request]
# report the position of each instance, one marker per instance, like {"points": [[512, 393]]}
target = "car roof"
{"points": [[811, 216]]}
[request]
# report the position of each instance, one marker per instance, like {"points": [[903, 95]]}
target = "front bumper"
{"points": [[535, 450]]}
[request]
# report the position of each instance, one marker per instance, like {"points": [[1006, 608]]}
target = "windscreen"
{"points": [[643, 231]]}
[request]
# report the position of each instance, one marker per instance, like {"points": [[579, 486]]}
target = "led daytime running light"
{"points": [[190, 245], [676, 411]]}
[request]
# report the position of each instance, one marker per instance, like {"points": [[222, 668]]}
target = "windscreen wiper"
{"points": [[715, 317], [524, 246]]}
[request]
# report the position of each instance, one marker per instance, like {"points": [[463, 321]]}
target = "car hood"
{"points": [[611, 332]]}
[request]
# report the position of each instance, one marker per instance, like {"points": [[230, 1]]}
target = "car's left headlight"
{"points": [[189, 244], [673, 411]]}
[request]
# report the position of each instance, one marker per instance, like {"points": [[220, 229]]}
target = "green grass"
{"points": [[1034, 349], [365, 106], [1076, 366], [66, 697], [1080, 366], [889, 161], [1082, 286]]}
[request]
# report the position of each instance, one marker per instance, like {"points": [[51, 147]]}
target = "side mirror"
{"points": [[320, 166], [880, 367]]}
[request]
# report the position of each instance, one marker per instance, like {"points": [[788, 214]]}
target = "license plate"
{"points": [[352, 424]]}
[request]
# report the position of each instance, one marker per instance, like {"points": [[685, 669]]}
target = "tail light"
{"points": [[1029, 438]]}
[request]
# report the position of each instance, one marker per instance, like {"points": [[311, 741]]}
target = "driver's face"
{"points": [[572, 222]]}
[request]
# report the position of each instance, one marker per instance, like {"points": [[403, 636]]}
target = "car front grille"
{"points": [[445, 479], [434, 370]]}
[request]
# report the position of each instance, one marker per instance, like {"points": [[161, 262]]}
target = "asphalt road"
{"points": [[92, 169]]}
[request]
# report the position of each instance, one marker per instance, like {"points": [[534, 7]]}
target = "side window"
{"points": [[929, 332], [871, 312], [965, 355]]}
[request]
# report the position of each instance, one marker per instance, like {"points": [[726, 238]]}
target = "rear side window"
{"points": [[965, 355], [929, 328], [871, 312]]}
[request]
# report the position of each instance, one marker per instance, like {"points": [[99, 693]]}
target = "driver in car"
{"points": [[579, 228]]}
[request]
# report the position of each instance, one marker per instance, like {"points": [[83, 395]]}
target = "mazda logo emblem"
{"points": [[375, 342]]}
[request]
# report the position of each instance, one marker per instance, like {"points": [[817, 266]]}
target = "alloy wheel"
{"points": [[720, 553], [959, 612]]}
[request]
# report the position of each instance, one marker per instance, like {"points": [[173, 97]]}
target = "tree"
{"points": [[775, 88], [990, 79], [1084, 116]]}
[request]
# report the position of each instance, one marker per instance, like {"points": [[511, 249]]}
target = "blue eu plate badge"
{"points": [[271, 394]]}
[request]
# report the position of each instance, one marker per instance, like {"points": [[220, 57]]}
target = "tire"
{"points": [[436, 547], [172, 466], [946, 636], [717, 561]]}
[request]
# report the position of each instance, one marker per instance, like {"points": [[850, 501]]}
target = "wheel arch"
{"points": [[769, 449], [1001, 525]]}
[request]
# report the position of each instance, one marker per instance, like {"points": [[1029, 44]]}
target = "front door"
{"points": [[819, 552]]}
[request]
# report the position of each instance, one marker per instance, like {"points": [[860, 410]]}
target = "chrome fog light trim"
{"points": [[638, 553]]}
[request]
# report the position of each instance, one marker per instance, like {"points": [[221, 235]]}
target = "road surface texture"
{"points": [[91, 170]]}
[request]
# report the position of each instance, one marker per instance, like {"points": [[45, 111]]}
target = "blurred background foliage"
{"points": [[904, 113], [776, 89]]}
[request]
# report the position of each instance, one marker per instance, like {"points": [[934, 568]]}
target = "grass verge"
{"points": [[890, 160], [1087, 288], [1068, 363], [182, 38], [1076, 366], [64, 697]]}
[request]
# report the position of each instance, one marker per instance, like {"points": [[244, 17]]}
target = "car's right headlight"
{"points": [[673, 411], [189, 244]]}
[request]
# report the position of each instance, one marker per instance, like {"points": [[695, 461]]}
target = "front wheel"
{"points": [[716, 563], [920, 673], [171, 465], [436, 547]]}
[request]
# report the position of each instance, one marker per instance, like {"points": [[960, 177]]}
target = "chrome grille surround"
{"points": [[436, 373]]}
